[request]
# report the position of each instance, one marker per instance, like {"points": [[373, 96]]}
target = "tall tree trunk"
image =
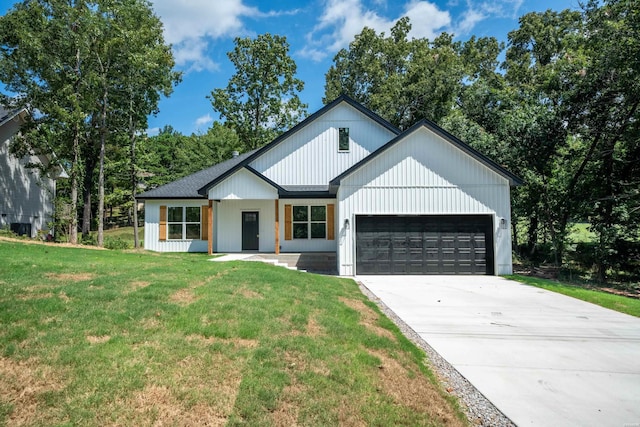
{"points": [[87, 190], [73, 232], [103, 137], [134, 176]]}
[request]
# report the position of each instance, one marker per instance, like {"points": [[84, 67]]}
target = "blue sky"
{"points": [[202, 32]]}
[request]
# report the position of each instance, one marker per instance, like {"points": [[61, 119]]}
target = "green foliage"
{"points": [[170, 155], [116, 243], [261, 99], [407, 80], [93, 71]]}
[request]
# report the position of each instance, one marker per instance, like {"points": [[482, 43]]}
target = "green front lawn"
{"points": [[95, 337], [614, 302]]}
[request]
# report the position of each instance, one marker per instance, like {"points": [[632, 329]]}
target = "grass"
{"points": [[614, 302], [125, 233], [90, 337]]}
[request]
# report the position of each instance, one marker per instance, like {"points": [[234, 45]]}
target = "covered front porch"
{"points": [[270, 226]]}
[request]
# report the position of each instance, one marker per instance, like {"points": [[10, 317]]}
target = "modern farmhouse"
{"points": [[346, 181], [26, 193]]}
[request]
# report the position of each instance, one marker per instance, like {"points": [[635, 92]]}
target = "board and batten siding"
{"points": [[152, 240], [424, 174], [314, 148], [243, 185], [307, 245], [228, 232], [26, 196]]}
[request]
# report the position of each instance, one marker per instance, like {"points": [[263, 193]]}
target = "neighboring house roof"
{"points": [[513, 179], [187, 187], [342, 98], [45, 159], [6, 115]]}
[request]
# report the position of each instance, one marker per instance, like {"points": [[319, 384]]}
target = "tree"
{"points": [[77, 64], [605, 108], [407, 80], [260, 100], [43, 52]]}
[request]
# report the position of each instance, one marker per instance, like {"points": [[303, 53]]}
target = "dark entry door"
{"points": [[250, 231], [434, 244]]}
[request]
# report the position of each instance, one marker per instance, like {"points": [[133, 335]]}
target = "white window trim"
{"points": [[184, 223], [308, 222]]}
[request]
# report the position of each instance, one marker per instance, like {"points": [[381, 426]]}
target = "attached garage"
{"points": [[429, 244]]}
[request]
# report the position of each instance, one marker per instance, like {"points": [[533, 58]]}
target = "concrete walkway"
{"points": [[542, 358]]}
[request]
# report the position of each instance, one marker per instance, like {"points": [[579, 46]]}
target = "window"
{"points": [[343, 139], [309, 222], [183, 222]]}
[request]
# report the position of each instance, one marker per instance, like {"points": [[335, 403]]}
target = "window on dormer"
{"points": [[343, 139]]}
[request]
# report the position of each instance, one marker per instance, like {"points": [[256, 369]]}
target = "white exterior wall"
{"points": [[421, 175], [228, 220], [243, 185], [307, 245], [26, 196], [311, 156], [152, 228]]}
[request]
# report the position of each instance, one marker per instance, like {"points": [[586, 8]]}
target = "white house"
{"points": [[346, 181], [26, 195]]}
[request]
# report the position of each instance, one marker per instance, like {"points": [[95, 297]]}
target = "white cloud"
{"points": [[469, 19], [153, 131], [426, 19], [341, 20], [190, 25], [204, 120]]}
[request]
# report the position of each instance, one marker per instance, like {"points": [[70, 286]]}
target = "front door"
{"points": [[250, 231]]}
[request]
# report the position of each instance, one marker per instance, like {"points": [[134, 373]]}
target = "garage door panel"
{"points": [[436, 244]]}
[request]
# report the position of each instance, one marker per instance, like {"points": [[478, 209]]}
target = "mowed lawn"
{"points": [[96, 337]]}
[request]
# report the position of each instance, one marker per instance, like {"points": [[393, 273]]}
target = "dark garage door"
{"points": [[434, 244]]}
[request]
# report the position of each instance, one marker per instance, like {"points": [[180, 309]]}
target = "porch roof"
{"points": [[187, 187]]}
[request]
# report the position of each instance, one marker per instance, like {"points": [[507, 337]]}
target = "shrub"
{"points": [[116, 243]]}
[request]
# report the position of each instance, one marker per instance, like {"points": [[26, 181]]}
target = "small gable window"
{"points": [[343, 139]]}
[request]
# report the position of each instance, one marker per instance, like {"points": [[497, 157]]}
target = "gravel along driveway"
{"points": [[541, 358]]}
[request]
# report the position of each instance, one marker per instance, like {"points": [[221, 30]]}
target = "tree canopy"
{"points": [[261, 99]]}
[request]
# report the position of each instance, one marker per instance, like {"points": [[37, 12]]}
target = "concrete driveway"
{"points": [[542, 358]]}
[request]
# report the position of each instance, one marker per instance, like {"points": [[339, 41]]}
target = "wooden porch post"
{"points": [[211, 228], [277, 227]]}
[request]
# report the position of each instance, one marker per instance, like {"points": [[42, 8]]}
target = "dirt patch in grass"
{"points": [[21, 385], [286, 413], [248, 293], [70, 277], [183, 297], [98, 340], [314, 329], [29, 297], [157, 405], [139, 284], [368, 317], [413, 390], [238, 342]]}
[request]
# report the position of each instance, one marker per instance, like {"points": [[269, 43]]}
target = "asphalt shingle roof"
{"points": [[187, 187]]}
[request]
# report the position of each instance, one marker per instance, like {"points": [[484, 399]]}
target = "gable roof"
{"points": [[513, 179], [187, 187], [6, 115], [257, 153]]}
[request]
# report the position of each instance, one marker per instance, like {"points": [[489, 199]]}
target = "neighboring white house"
{"points": [[26, 195], [346, 181]]}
